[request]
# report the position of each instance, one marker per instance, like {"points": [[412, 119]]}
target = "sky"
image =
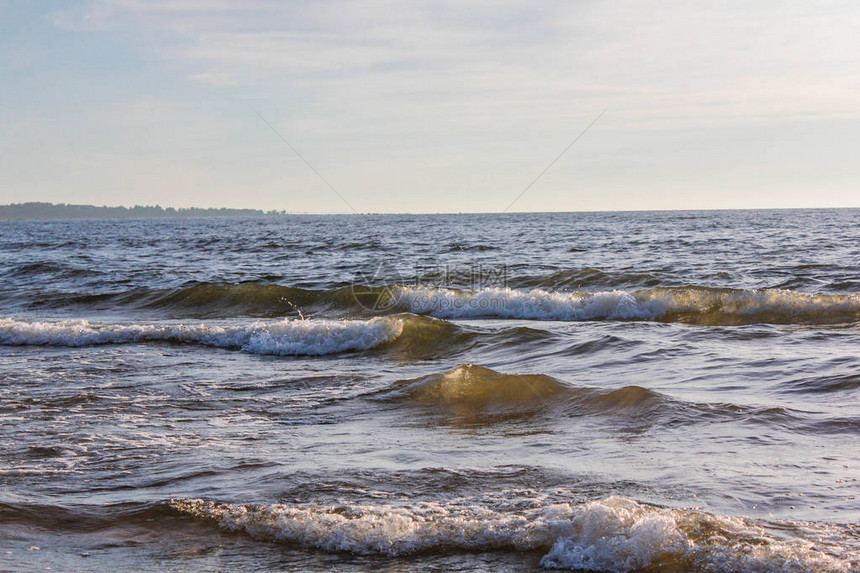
{"points": [[444, 106]]}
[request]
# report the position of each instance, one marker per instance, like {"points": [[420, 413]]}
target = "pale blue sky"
{"points": [[431, 106]]}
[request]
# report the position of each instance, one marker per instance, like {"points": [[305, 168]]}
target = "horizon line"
{"points": [[283, 212]]}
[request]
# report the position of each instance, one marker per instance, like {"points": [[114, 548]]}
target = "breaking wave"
{"points": [[614, 534], [286, 337], [686, 304], [694, 305]]}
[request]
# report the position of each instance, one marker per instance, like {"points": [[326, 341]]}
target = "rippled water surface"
{"points": [[670, 391]]}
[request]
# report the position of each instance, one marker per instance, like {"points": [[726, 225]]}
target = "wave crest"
{"points": [[475, 396], [689, 304], [249, 299], [695, 305], [614, 534], [477, 385], [285, 337]]}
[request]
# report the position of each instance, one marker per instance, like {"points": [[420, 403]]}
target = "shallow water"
{"points": [[674, 391]]}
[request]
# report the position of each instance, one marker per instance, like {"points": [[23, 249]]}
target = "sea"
{"points": [[671, 391]]}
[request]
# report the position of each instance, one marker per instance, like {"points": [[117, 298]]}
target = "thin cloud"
{"points": [[432, 96], [698, 63], [217, 79]]}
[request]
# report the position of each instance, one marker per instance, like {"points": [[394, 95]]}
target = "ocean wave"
{"points": [[614, 534], [50, 268], [248, 299], [204, 300], [695, 305], [818, 384], [699, 305], [285, 337], [474, 396], [472, 384]]}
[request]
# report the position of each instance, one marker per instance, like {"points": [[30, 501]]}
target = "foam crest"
{"points": [[703, 305], [285, 337], [535, 304], [618, 534], [614, 534], [698, 305]]}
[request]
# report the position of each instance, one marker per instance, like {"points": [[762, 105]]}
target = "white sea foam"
{"points": [[614, 534], [694, 304], [535, 304], [286, 337]]}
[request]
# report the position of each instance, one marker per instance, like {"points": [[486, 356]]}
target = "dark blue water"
{"points": [[672, 391]]}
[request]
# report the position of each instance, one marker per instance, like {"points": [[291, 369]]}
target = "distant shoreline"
{"points": [[39, 211], [51, 211]]}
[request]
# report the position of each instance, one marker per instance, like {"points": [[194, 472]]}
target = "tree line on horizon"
{"points": [[35, 210]]}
